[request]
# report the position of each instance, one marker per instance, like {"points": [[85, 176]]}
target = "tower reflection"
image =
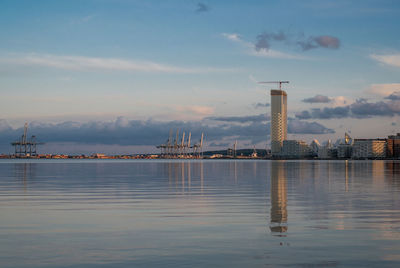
{"points": [[279, 213]]}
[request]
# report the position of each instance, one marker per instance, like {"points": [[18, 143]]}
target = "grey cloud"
{"points": [[201, 7], [323, 41], [220, 144], [318, 99], [394, 96], [240, 119], [124, 132], [304, 115], [327, 41], [325, 113], [263, 41], [260, 105], [304, 127], [360, 109], [130, 132], [4, 126]]}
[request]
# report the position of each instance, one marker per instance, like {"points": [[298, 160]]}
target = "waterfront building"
{"points": [[295, 149], [327, 153], [393, 146], [278, 120], [344, 151], [369, 148], [315, 146]]}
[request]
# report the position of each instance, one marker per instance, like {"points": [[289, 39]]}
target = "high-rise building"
{"points": [[393, 146], [278, 120]]}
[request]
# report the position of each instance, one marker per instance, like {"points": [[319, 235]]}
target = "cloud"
{"points": [[125, 132], [340, 101], [262, 53], [240, 119], [363, 108], [265, 39], [323, 41], [232, 36], [325, 113], [4, 126], [275, 54], [383, 89], [131, 132], [304, 127], [304, 115], [81, 63], [220, 144], [359, 109], [387, 59], [318, 99], [260, 105], [394, 96], [197, 110], [201, 7]]}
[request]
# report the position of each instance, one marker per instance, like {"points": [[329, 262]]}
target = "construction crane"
{"points": [[275, 82]]}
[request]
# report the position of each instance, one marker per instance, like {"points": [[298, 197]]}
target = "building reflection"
{"points": [[279, 213], [392, 174]]}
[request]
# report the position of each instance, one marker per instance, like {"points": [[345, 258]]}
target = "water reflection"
{"points": [[183, 172], [346, 174], [199, 213], [23, 172], [279, 213], [392, 175]]}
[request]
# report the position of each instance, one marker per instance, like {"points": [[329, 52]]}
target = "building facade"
{"points": [[344, 151], [369, 148], [278, 120], [393, 146], [295, 149]]}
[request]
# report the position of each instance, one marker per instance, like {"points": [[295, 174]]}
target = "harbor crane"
{"points": [[275, 82], [181, 147], [25, 147]]}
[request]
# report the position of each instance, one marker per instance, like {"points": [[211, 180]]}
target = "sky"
{"points": [[117, 76]]}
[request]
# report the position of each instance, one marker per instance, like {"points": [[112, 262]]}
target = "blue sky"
{"points": [[186, 63]]}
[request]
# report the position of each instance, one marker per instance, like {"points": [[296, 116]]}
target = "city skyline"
{"points": [[116, 76]]}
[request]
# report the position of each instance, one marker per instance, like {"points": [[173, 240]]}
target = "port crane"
{"points": [[181, 147], [25, 147], [275, 82]]}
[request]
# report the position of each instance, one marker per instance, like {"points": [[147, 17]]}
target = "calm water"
{"points": [[199, 213]]}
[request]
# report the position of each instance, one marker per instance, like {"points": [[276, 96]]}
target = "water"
{"points": [[149, 213]]}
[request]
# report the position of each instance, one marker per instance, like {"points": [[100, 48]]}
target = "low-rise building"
{"points": [[295, 149], [369, 148], [344, 151], [327, 152]]}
